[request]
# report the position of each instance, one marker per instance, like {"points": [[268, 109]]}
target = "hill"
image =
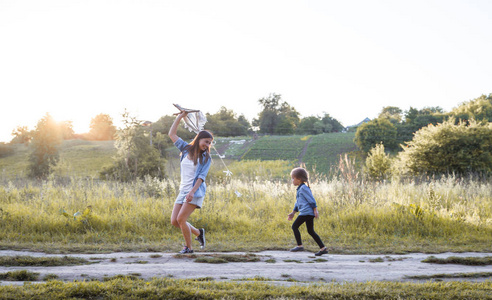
{"points": [[316, 151], [77, 158], [86, 158]]}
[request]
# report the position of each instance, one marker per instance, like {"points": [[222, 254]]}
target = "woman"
{"points": [[195, 162]]}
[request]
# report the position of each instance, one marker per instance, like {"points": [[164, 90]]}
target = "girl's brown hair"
{"points": [[301, 174], [194, 147]]}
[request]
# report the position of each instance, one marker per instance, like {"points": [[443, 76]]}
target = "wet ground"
{"points": [[277, 266]]}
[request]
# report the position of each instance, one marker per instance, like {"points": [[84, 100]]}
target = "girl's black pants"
{"points": [[309, 220]]}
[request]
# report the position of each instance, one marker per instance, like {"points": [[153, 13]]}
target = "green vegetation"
{"points": [[277, 148], [24, 261], [441, 215], [224, 258], [19, 275], [452, 276], [125, 287], [78, 158], [470, 261], [448, 147], [324, 150]]}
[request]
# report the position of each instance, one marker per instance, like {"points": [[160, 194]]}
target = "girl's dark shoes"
{"points": [[321, 252], [186, 250], [297, 249], [201, 238]]}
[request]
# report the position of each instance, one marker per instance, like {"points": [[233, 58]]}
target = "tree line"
{"points": [[429, 141], [417, 133]]}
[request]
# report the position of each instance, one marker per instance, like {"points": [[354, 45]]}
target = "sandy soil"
{"points": [[278, 266]]}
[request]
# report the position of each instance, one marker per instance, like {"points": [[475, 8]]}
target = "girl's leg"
{"points": [[310, 230], [187, 228], [295, 227]]}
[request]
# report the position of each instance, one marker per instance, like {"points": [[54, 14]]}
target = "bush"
{"points": [[374, 132], [450, 148], [378, 163]]}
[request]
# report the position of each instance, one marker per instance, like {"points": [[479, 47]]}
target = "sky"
{"points": [[75, 59]]}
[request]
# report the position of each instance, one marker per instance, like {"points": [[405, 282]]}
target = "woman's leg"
{"points": [[174, 215], [186, 228], [310, 230], [295, 227]]}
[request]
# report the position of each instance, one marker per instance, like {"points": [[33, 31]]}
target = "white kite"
{"points": [[195, 121]]}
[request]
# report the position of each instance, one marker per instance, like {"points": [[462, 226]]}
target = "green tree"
{"points": [[44, 156], [276, 117], [478, 109], [136, 157], [318, 125], [374, 132], [161, 127], [310, 125], [392, 113], [378, 163], [414, 119], [102, 128], [449, 147], [331, 124], [225, 123]]}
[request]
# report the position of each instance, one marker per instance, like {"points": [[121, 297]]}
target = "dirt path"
{"points": [[281, 267], [303, 152]]}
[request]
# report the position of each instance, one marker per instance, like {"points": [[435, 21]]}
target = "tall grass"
{"points": [[76, 214]]}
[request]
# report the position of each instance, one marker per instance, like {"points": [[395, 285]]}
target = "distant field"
{"points": [[277, 147], [86, 158], [77, 158], [324, 150]]}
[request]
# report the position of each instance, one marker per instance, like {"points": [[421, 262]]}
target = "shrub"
{"points": [[450, 148], [378, 163], [374, 132]]}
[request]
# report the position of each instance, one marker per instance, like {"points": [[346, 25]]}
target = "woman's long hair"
{"points": [[194, 147]]}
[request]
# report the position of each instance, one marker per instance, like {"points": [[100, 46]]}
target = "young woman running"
{"points": [[195, 162]]}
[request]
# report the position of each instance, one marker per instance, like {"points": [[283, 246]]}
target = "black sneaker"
{"points": [[186, 250], [201, 238], [321, 252], [297, 249]]}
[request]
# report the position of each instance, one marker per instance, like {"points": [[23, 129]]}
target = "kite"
{"points": [[195, 121]]}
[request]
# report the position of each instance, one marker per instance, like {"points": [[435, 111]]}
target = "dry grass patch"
{"points": [[30, 261], [469, 261]]}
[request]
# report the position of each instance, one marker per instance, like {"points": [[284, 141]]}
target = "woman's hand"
{"points": [[316, 214], [189, 196], [290, 216]]}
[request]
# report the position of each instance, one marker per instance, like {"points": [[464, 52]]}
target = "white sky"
{"points": [[76, 59]]}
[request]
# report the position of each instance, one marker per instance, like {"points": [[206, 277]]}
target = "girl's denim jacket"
{"points": [[201, 170], [305, 203]]}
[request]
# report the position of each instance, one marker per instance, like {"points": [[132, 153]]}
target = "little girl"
{"points": [[306, 206], [195, 163]]}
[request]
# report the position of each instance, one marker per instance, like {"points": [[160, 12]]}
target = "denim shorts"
{"points": [[181, 199]]}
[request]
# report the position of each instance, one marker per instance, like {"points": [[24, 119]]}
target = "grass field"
{"points": [[442, 215], [277, 148], [126, 287], [324, 150], [74, 211]]}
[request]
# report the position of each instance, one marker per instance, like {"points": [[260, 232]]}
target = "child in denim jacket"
{"points": [[307, 208]]}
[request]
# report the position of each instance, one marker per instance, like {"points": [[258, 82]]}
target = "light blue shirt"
{"points": [[305, 202], [201, 170]]}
